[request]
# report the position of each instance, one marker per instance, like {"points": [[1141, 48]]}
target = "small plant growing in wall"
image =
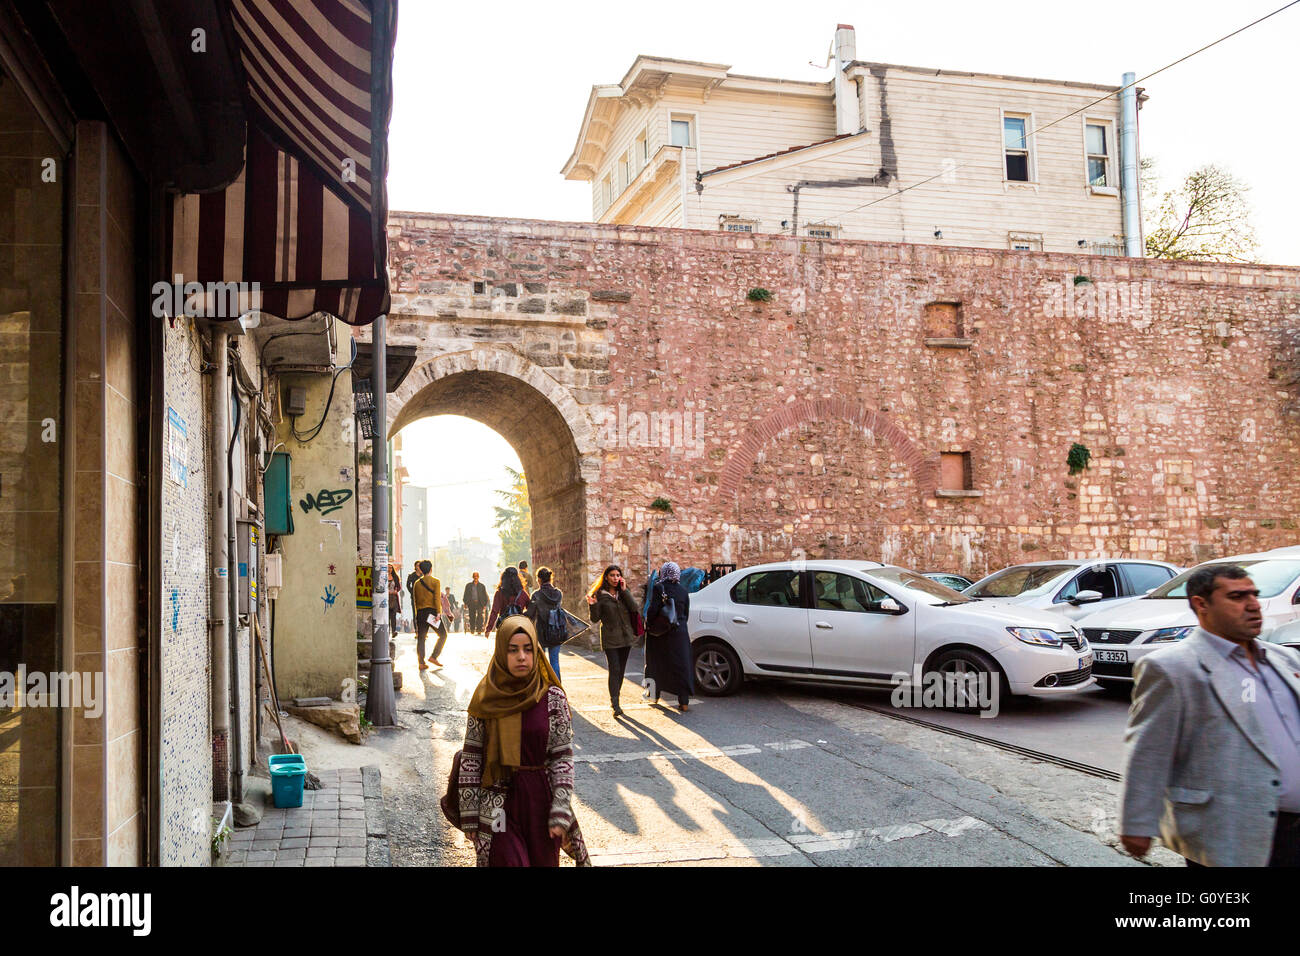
{"points": [[363, 458], [219, 837], [1080, 280], [1078, 458], [759, 295], [662, 504]]}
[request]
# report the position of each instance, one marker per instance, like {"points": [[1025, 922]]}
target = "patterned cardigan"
{"points": [[480, 806]]}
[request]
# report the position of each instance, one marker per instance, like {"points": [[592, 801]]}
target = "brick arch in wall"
{"points": [[539, 417], [925, 471]]}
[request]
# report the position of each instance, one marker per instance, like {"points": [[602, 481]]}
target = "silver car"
{"points": [[1074, 588]]}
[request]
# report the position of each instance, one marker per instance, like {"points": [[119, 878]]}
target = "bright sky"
{"points": [[464, 463], [488, 96]]}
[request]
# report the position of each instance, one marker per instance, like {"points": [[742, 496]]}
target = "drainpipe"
{"points": [[1128, 151], [232, 605], [219, 596]]}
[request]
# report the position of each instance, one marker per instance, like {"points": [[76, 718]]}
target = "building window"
{"points": [[627, 168], [1025, 241], [681, 131], [736, 224], [943, 320], [823, 230], [642, 149], [607, 190], [1015, 144], [954, 471], [1097, 139]]}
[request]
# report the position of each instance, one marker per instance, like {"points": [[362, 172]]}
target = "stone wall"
{"points": [[814, 422]]}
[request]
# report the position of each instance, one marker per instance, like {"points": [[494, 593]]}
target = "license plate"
{"points": [[1112, 657], [1085, 660]]}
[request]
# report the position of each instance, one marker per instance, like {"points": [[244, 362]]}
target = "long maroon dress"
{"points": [[526, 839]]}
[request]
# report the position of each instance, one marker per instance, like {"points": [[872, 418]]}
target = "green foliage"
{"points": [[1080, 280], [759, 295], [219, 837], [1206, 217], [662, 504], [515, 519], [1078, 458]]}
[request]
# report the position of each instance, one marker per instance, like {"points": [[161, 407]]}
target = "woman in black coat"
{"points": [[668, 656], [615, 610]]}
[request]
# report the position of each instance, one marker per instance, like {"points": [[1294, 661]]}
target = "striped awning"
{"points": [[305, 221]]}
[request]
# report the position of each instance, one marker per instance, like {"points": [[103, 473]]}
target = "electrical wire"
{"points": [[1086, 106], [307, 439]]}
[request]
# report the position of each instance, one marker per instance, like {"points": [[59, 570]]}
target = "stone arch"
{"points": [[925, 471], [549, 430]]}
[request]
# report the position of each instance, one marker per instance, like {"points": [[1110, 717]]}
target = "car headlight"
{"points": [[1167, 635], [1035, 635]]}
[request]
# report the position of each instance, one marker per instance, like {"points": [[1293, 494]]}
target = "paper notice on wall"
{"points": [[336, 525], [178, 444]]}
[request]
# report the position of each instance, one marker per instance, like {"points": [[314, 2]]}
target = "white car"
{"points": [[860, 622], [1122, 635], [1075, 588]]}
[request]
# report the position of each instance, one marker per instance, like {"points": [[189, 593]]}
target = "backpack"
{"points": [[551, 630], [514, 607]]}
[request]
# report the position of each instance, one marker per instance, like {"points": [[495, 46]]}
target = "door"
{"points": [[1103, 578], [768, 620], [851, 635]]}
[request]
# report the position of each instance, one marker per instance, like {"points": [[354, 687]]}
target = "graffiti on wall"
{"points": [[326, 500]]}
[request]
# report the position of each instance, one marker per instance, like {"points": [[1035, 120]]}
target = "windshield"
{"points": [[1019, 580], [931, 592], [1270, 576]]}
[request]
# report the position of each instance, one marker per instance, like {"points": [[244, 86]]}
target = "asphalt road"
{"points": [[777, 775]]}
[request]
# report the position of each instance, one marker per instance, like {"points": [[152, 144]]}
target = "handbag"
{"points": [[450, 802], [666, 619]]}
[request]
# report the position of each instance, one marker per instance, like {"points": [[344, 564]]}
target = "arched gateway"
{"points": [[538, 416]]}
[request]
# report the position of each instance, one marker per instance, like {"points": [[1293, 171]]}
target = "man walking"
{"points": [[1213, 742], [524, 577], [427, 592], [475, 600], [450, 617]]}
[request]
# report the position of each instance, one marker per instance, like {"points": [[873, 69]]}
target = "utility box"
{"points": [[276, 497], [248, 541]]}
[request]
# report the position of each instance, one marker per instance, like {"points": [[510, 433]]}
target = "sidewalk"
{"points": [[342, 824]]}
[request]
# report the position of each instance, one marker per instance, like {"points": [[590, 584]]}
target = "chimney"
{"points": [[846, 91]]}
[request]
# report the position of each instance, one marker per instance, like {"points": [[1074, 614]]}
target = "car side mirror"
{"points": [[890, 606], [1296, 599], [1085, 597]]}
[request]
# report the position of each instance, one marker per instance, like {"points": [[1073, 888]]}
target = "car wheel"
{"points": [[717, 670], [967, 661]]}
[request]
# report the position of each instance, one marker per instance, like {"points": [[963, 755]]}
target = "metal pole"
{"points": [[381, 703], [219, 595], [1128, 152]]}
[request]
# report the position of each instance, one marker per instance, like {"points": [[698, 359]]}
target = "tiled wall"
{"points": [[186, 750], [106, 825]]}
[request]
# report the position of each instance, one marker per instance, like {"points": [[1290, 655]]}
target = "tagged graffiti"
{"points": [[331, 593], [325, 501]]}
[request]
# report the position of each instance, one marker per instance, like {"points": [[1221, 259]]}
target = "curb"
{"points": [[372, 790]]}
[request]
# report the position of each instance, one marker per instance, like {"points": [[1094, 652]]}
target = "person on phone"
{"points": [[612, 606], [668, 653]]}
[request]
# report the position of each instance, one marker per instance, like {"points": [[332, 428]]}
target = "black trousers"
{"points": [[617, 659], [1286, 842], [477, 618]]}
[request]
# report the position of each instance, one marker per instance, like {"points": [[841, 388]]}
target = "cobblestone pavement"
{"points": [[329, 829]]}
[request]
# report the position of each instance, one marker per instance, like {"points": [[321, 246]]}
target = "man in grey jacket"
{"points": [[1213, 742]]}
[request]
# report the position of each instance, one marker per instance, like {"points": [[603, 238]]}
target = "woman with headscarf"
{"points": [[516, 769], [510, 598], [613, 607], [668, 662]]}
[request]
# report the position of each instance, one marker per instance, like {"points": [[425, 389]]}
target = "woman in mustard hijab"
{"points": [[516, 769]]}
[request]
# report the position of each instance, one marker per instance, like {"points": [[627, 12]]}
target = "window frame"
{"points": [[1031, 153], [796, 576], [1033, 239], [729, 219], [1108, 125], [867, 588], [692, 132]]}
